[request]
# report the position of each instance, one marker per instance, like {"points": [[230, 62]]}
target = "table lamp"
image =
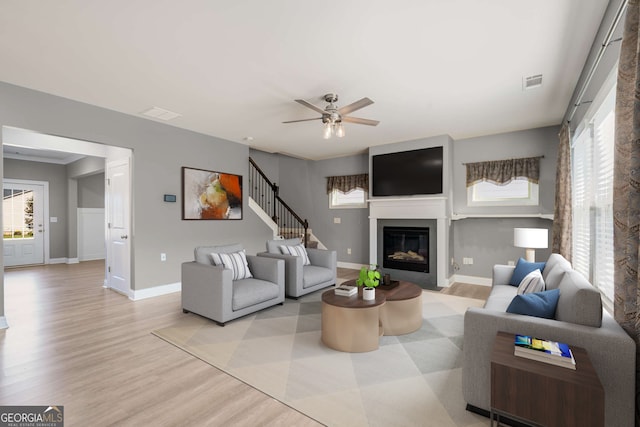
{"points": [[530, 238]]}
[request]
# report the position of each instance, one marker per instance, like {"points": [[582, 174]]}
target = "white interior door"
{"points": [[118, 224], [23, 207]]}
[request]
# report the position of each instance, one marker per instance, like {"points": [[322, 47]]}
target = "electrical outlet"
{"points": [[163, 257], [336, 220], [511, 263], [453, 261], [348, 251]]}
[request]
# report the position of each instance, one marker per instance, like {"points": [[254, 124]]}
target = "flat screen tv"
{"points": [[407, 173]]}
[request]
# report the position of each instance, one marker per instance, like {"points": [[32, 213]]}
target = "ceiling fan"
{"points": [[332, 116]]}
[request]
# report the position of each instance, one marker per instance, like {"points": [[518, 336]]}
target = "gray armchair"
{"points": [[303, 279], [209, 291]]}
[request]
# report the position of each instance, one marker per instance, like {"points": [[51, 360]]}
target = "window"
{"points": [[592, 177], [356, 198], [509, 182], [347, 191], [518, 192], [17, 207]]}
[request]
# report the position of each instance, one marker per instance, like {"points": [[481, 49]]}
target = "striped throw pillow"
{"points": [[236, 262], [297, 250], [532, 282]]}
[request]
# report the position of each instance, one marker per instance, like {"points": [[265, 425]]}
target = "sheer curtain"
{"points": [[626, 183]]}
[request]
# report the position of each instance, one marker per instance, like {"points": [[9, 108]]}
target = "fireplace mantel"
{"points": [[414, 208]]}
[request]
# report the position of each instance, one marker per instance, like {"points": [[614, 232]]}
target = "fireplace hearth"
{"points": [[406, 248]]}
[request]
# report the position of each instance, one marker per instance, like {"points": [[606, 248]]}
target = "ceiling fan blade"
{"points": [[360, 121], [355, 106], [310, 105], [302, 120]]}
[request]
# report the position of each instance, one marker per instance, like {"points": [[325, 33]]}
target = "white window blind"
{"points": [[581, 185], [592, 174]]}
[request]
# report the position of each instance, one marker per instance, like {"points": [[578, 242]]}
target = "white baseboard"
{"points": [[3, 323], [473, 280], [64, 261], [128, 293], [156, 291], [351, 265], [92, 257]]}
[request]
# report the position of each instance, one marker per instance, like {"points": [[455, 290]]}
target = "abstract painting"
{"points": [[211, 195]]}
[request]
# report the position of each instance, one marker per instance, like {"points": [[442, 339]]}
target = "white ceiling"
{"points": [[232, 69], [39, 155]]}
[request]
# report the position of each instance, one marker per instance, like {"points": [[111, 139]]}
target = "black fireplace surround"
{"points": [[406, 248]]}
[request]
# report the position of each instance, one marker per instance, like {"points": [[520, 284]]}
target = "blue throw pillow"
{"points": [[524, 267], [538, 304]]}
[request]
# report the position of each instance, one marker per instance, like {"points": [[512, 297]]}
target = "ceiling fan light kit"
{"points": [[332, 116]]}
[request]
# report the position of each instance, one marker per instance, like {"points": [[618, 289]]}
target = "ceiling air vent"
{"points": [[532, 82], [160, 113]]}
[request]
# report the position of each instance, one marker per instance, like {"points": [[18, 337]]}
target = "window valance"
{"points": [[347, 183], [504, 171]]}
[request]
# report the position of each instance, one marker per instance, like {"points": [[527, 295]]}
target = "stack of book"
{"points": [[553, 352], [346, 291]]}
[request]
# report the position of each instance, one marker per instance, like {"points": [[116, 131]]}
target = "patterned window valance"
{"points": [[504, 171], [347, 183]]}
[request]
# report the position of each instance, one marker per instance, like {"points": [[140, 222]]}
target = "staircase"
{"points": [[265, 194]]}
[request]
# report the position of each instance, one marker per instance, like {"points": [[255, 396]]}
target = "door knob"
{"points": [[124, 236]]}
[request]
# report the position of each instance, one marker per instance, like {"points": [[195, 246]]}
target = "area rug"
{"points": [[411, 380]]}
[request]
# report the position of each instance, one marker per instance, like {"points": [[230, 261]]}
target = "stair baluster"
{"points": [[266, 194]]}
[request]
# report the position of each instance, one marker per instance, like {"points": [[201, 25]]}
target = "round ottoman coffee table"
{"points": [[402, 312], [351, 324]]}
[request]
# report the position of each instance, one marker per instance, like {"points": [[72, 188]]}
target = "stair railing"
{"points": [[265, 193]]}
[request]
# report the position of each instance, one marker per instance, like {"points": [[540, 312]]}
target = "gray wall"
{"points": [[56, 176], [526, 143], [303, 186], [91, 191], [269, 164], [489, 241], [353, 230], [159, 153]]}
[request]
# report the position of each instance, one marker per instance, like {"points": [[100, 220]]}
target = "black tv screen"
{"points": [[407, 173]]}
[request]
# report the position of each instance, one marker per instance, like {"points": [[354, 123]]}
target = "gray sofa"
{"points": [[208, 290], [303, 279], [579, 321]]}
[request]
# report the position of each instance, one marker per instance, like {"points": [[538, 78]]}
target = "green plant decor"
{"points": [[369, 278]]}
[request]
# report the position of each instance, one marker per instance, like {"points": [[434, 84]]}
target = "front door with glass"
{"points": [[23, 223]]}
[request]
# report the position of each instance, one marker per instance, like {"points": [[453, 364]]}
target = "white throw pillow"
{"points": [[532, 282], [235, 261], [297, 250]]}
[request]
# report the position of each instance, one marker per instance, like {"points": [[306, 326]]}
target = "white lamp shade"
{"points": [[530, 237]]}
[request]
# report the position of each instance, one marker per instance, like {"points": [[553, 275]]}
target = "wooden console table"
{"points": [[543, 394]]}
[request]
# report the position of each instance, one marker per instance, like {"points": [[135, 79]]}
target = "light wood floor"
{"points": [[73, 343]]}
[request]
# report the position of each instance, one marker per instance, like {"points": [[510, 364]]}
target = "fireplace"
{"points": [[406, 248]]}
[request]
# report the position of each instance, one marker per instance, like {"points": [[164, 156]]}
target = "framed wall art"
{"points": [[211, 195]]}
